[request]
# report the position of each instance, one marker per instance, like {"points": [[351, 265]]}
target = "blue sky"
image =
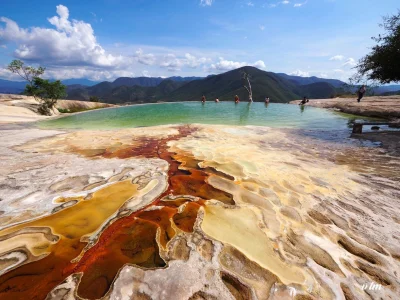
{"points": [[106, 39]]}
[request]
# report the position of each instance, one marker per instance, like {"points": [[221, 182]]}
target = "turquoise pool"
{"points": [[228, 113]]}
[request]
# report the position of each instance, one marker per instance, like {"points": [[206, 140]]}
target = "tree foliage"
{"points": [[42, 90], [26, 72], [383, 63], [94, 99], [48, 92]]}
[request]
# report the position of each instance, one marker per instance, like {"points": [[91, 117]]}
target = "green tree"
{"points": [[26, 72], [42, 90], [48, 93], [94, 99], [383, 63]]}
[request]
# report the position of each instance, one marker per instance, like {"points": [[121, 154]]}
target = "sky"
{"points": [[105, 39]]}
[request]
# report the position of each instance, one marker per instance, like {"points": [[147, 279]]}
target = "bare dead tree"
{"points": [[247, 85]]}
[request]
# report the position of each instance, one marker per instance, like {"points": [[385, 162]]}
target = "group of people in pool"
{"points": [[305, 100], [237, 100]]}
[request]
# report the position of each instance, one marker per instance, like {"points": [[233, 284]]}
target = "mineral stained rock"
{"points": [[196, 212]]}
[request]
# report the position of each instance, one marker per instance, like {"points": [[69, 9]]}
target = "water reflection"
{"points": [[279, 115], [244, 113], [350, 122]]}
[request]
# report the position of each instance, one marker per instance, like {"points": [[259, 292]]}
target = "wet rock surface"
{"points": [[196, 212]]}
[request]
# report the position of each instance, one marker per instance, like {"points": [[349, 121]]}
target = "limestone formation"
{"points": [[196, 212]]}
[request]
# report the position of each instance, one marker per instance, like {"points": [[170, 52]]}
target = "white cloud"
{"points": [[227, 65], [262, 27], [337, 57], [350, 62], [259, 64], [68, 48], [94, 74], [299, 4], [272, 5], [173, 63], [300, 73], [194, 62], [4, 73], [145, 59], [206, 2], [323, 75], [338, 71], [71, 43], [250, 3]]}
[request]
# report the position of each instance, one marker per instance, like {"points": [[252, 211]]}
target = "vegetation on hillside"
{"points": [[264, 84], [223, 86], [94, 99], [42, 90]]}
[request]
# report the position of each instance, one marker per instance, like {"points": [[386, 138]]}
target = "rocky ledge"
{"points": [[196, 212], [387, 107]]}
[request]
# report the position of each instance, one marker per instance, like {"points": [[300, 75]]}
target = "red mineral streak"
{"points": [[129, 240]]}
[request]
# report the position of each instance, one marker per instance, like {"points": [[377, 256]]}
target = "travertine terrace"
{"points": [[196, 212]]}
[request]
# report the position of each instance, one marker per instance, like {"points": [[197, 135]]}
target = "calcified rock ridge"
{"points": [[196, 212]]}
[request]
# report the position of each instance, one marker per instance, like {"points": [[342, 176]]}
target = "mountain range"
{"points": [[309, 80], [279, 87], [16, 87]]}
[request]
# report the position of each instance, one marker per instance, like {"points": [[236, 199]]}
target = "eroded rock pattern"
{"points": [[196, 212]]}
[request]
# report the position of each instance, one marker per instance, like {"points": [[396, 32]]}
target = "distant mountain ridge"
{"points": [[279, 87], [11, 87], [264, 84], [16, 87], [309, 80], [223, 86], [80, 81], [140, 81], [387, 89]]}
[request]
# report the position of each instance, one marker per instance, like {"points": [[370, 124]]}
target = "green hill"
{"points": [[223, 86], [107, 93], [318, 90]]}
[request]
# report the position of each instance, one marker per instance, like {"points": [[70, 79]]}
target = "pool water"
{"points": [[226, 113]]}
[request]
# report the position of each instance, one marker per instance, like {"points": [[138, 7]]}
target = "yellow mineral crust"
{"points": [[72, 222], [240, 227], [317, 217], [263, 157]]}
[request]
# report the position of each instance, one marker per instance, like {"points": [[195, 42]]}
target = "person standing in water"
{"points": [[304, 101], [217, 100], [267, 100], [203, 99], [361, 93], [237, 99]]}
